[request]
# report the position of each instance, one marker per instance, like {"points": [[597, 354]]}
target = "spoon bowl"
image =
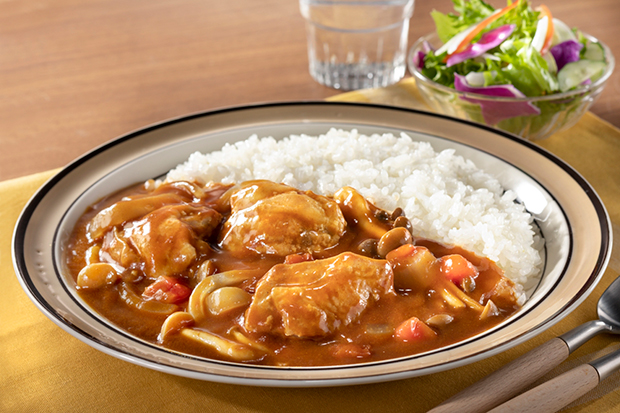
{"points": [[608, 310], [608, 307]]}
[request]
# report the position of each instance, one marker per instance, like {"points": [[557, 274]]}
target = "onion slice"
{"points": [[418, 59], [488, 41], [472, 32], [496, 111], [566, 52]]}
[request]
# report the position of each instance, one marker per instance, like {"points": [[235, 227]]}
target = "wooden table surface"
{"points": [[77, 73]]}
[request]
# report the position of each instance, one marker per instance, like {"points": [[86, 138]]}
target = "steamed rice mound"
{"points": [[445, 196]]}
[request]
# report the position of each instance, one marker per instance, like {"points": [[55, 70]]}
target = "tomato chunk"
{"points": [[456, 268], [166, 290], [414, 330]]}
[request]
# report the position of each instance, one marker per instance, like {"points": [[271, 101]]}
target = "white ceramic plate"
{"points": [[571, 217]]}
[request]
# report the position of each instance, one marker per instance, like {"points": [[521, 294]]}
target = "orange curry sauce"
{"points": [[262, 273]]}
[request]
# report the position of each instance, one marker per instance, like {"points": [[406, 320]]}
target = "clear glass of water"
{"points": [[357, 44]]}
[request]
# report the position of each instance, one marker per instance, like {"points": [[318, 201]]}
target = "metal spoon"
{"points": [[515, 376]]}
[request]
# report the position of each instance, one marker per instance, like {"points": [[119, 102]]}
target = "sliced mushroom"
{"points": [[470, 302], [439, 320], [175, 322], [398, 212], [127, 210], [452, 300], [226, 299], [243, 339], [227, 348], [196, 304], [393, 239], [468, 284], [234, 277], [198, 301], [97, 275], [490, 310], [379, 330], [92, 254], [204, 270], [403, 222], [368, 247]]}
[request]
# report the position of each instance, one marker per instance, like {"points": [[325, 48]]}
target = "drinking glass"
{"points": [[357, 44]]}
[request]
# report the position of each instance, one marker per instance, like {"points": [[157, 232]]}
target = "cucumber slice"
{"points": [[575, 73], [551, 63], [594, 51], [561, 32]]}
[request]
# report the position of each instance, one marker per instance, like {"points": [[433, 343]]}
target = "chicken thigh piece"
{"points": [[165, 239], [275, 219], [314, 299]]}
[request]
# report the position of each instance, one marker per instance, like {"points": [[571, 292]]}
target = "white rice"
{"points": [[445, 196]]}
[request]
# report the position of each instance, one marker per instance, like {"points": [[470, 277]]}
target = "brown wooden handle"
{"points": [[554, 394], [508, 381]]}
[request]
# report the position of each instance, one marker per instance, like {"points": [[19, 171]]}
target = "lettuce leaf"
{"points": [[470, 12], [528, 72], [444, 25]]}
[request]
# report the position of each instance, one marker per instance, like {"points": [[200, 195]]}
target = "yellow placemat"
{"points": [[44, 369]]}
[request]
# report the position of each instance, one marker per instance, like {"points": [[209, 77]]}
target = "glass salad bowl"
{"points": [[558, 111]]}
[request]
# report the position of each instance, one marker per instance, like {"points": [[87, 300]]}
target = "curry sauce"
{"points": [[262, 273]]}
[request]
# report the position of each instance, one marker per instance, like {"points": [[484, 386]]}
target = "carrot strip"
{"points": [[484, 23], [545, 12]]}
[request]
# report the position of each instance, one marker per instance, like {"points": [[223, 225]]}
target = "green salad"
{"points": [[517, 51]]}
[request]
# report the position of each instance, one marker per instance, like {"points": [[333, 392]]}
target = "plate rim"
{"points": [[24, 277]]}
